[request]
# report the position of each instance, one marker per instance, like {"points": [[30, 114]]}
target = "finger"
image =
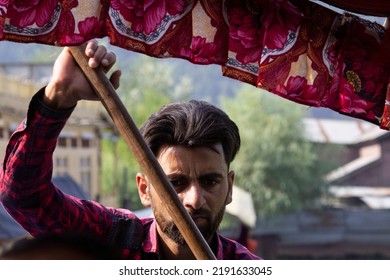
{"points": [[115, 78], [91, 47], [98, 56], [109, 60]]}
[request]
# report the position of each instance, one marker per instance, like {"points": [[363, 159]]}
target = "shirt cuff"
{"points": [[37, 104]]}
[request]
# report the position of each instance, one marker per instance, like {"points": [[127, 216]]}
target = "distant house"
{"points": [[362, 178], [330, 233], [355, 220]]}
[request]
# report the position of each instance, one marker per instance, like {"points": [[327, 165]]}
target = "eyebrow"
{"points": [[176, 175], [206, 175], [211, 174]]}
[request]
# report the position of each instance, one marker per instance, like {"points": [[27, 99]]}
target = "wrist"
{"points": [[58, 98]]}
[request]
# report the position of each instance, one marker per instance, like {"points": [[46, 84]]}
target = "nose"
{"points": [[192, 197]]}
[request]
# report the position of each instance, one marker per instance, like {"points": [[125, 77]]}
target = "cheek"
{"points": [[160, 206], [218, 199]]}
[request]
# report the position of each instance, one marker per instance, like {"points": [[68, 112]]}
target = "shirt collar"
{"points": [[150, 244]]}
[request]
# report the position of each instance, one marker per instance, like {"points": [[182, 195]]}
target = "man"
{"points": [[194, 142]]}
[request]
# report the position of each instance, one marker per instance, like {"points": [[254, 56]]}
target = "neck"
{"points": [[170, 250]]}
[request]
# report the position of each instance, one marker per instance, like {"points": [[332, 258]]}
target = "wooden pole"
{"points": [[144, 156]]}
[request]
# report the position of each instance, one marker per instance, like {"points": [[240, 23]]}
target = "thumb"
{"points": [[115, 78]]}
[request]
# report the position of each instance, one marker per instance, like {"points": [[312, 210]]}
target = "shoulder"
{"points": [[127, 230], [232, 250]]}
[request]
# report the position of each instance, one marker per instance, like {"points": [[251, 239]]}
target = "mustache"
{"points": [[204, 213]]}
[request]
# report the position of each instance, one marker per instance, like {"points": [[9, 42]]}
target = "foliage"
{"points": [[276, 164]]}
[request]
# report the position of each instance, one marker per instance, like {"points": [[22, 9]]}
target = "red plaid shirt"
{"points": [[30, 197]]}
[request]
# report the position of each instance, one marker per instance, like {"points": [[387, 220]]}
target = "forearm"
{"points": [[25, 185], [26, 190]]}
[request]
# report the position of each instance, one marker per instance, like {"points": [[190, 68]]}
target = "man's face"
{"points": [[203, 183]]}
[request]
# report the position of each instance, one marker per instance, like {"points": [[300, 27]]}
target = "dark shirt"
{"points": [[28, 194]]}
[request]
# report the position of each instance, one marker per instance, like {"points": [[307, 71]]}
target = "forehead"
{"points": [[200, 159]]}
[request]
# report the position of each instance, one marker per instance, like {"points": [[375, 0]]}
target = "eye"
{"points": [[179, 183], [209, 181]]}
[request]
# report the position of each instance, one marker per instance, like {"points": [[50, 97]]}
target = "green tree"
{"points": [[276, 164]]}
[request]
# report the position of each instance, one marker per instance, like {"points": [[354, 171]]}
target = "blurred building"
{"points": [[362, 178], [354, 222]]}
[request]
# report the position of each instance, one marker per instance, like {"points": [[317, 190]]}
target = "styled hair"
{"points": [[192, 124]]}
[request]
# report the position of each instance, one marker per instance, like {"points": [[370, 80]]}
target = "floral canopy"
{"points": [[295, 49]]}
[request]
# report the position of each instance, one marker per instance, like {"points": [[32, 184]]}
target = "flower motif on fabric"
{"points": [[146, 15], [269, 27], [89, 28], [200, 51], [32, 18], [246, 35], [351, 102], [27, 13], [354, 80], [279, 18], [298, 89]]}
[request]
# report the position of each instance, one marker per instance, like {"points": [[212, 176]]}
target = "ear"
{"points": [[229, 196], [143, 189]]}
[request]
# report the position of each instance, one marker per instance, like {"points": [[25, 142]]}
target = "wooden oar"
{"points": [[144, 156]]}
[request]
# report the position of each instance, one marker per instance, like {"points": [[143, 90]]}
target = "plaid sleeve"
{"points": [[26, 190]]}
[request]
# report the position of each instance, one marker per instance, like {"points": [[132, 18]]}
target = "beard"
{"points": [[207, 228]]}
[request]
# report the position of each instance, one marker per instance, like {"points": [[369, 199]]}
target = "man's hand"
{"points": [[68, 83]]}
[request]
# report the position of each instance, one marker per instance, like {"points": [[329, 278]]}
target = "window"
{"points": [[86, 181], [85, 143], [87, 139], [73, 142], [61, 162], [62, 141], [85, 162]]}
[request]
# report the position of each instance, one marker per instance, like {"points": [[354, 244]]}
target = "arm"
{"points": [[26, 190]]}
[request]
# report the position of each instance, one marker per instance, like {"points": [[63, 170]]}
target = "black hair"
{"points": [[192, 123]]}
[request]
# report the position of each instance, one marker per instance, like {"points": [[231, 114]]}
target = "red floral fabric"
{"points": [[296, 49]]}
